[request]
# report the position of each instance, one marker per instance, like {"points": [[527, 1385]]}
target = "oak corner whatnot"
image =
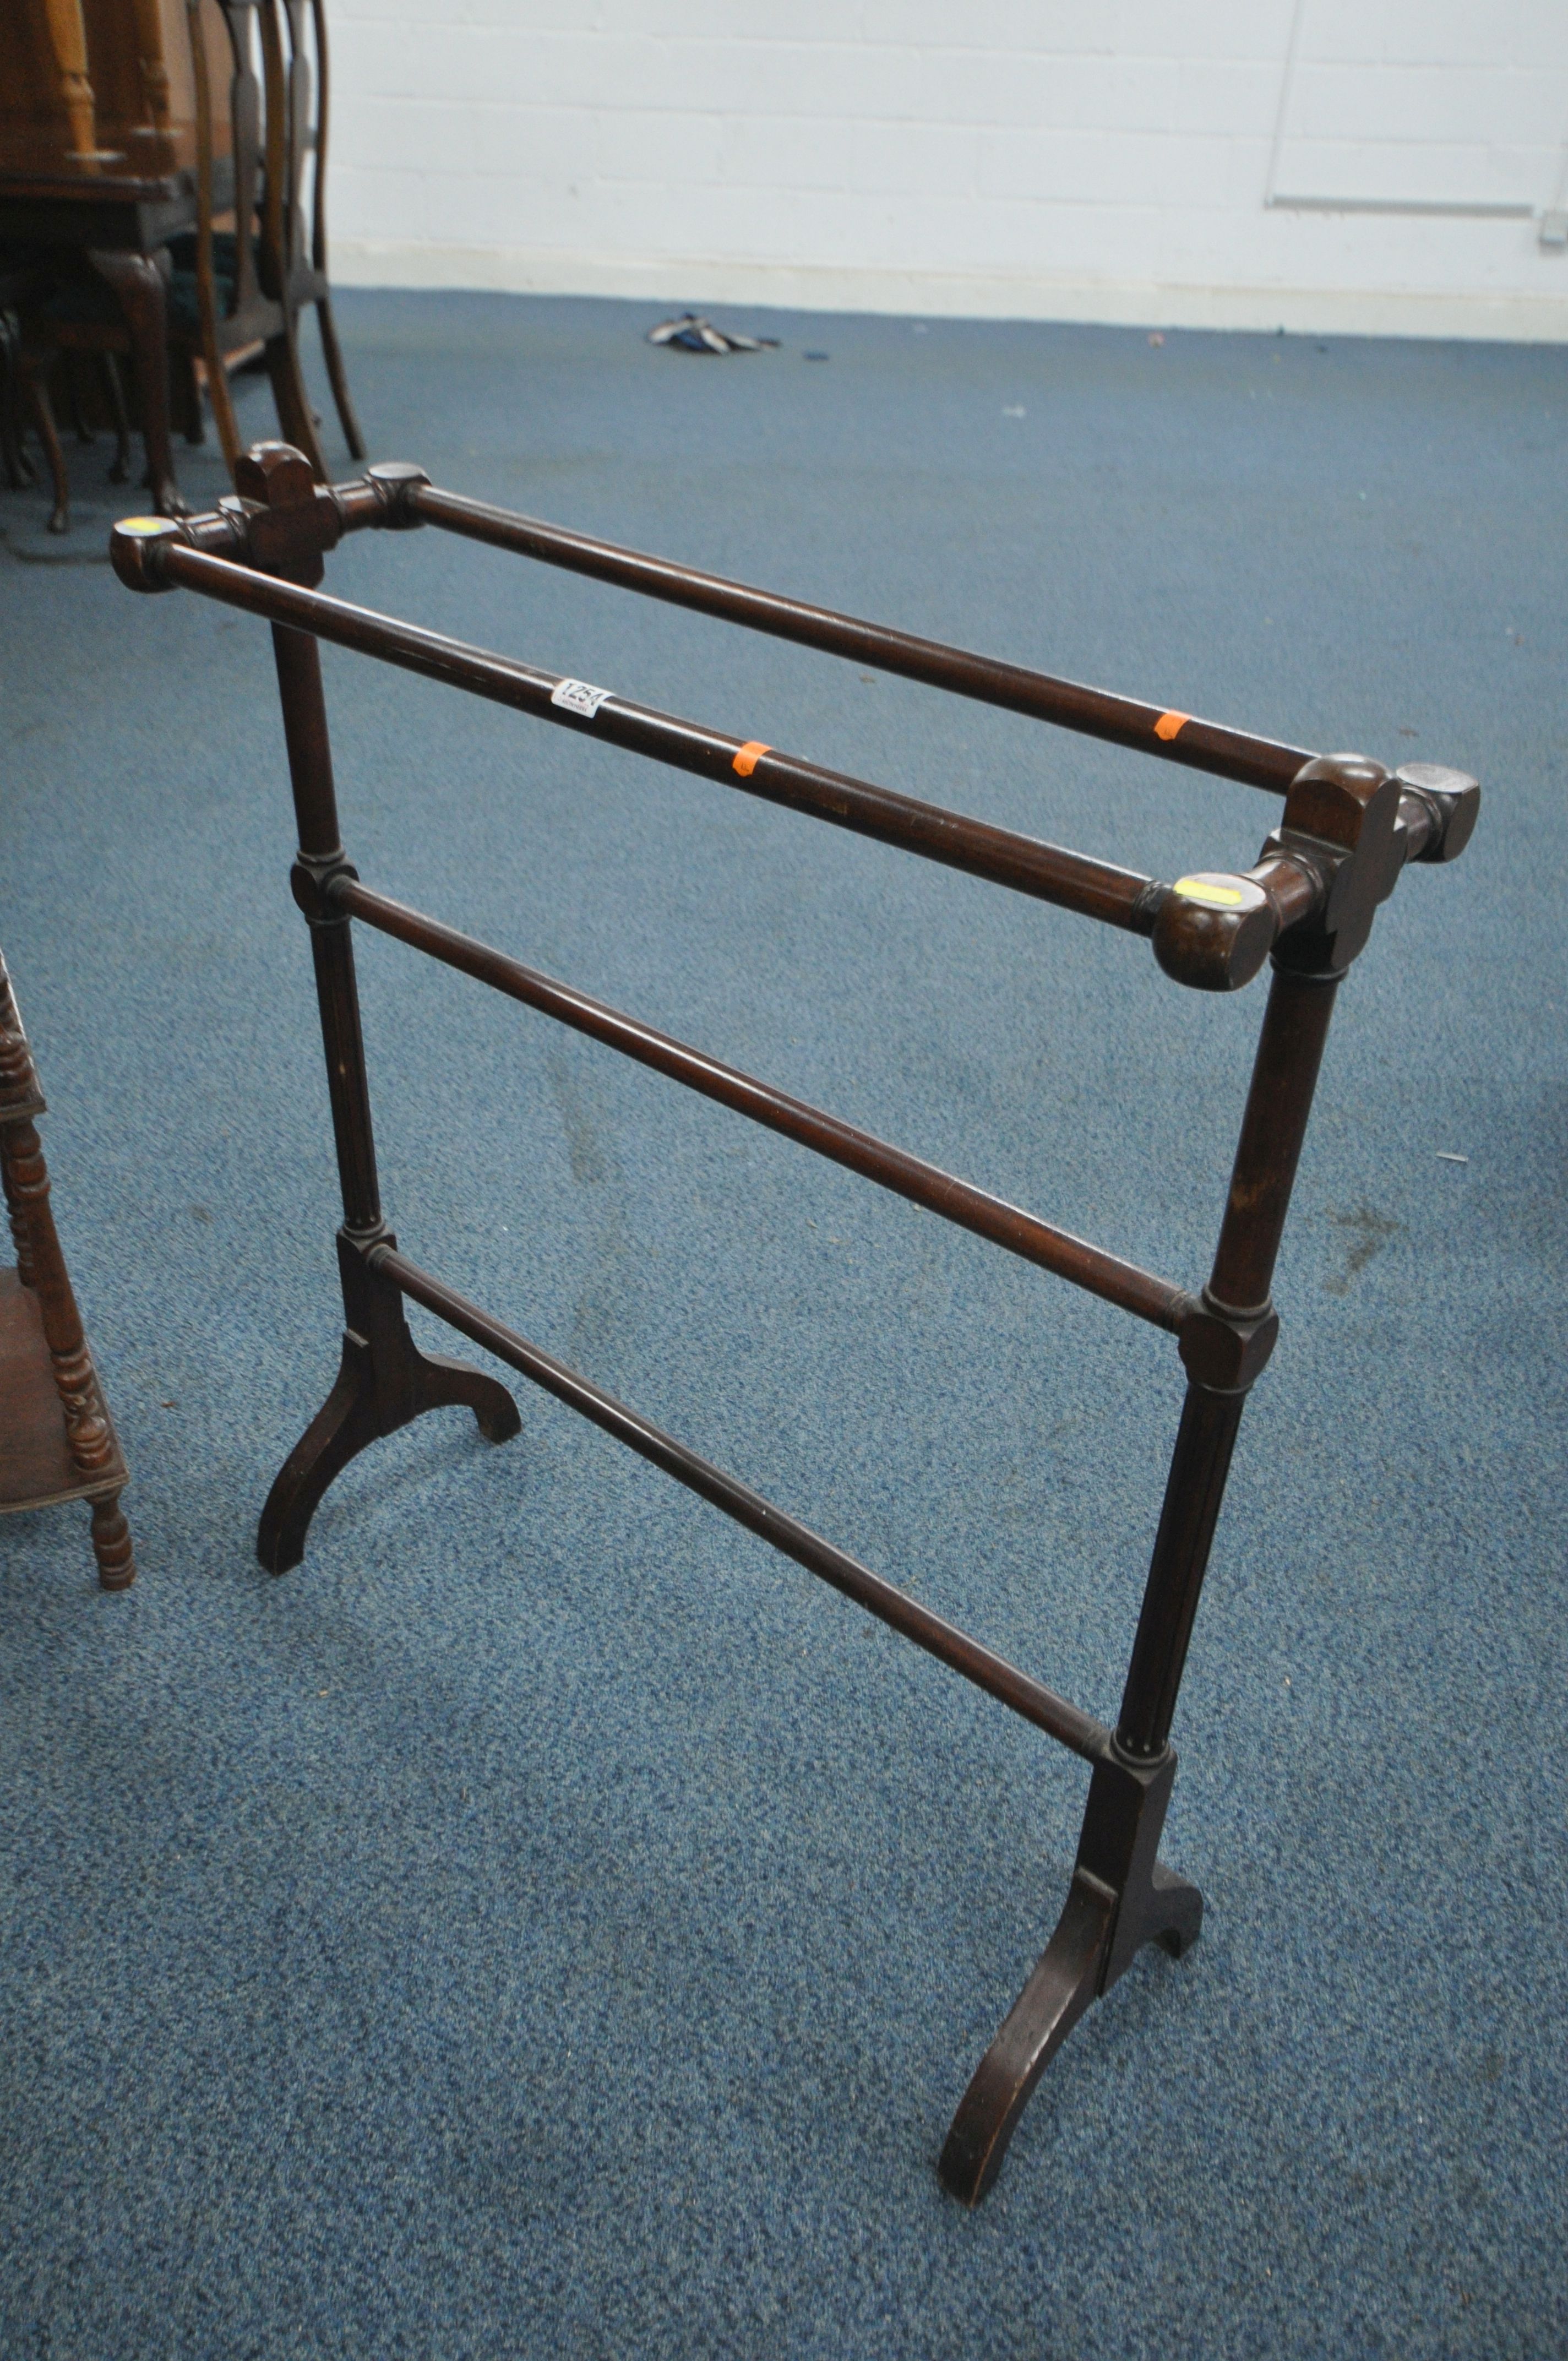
{"points": [[57, 1439]]}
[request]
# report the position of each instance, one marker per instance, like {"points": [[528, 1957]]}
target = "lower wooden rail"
{"points": [[1054, 1715]]}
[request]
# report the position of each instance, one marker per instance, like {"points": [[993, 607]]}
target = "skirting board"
{"points": [[1504, 317]]}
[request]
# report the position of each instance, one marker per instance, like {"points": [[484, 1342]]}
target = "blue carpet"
{"points": [[548, 1922]]}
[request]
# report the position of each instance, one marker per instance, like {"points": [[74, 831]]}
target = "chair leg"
{"points": [[120, 471], [295, 415], [34, 373], [338, 377], [19, 468], [190, 400], [20, 471], [223, 410], [84, 433], [139, 285]]}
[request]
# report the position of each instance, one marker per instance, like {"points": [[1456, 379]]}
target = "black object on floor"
{"points": [[692, 333]]}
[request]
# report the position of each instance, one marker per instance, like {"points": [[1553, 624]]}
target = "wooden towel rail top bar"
{"points": [[1306, 905], [1203, 745]]}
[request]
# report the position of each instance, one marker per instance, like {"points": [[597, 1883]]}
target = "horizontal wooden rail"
{"points": [[1056, 1716], [1088, 1267], [1119, 898], [1096, 712]]}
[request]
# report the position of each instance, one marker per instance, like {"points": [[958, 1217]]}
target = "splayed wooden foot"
{"points": [[383, 1382], [1122, 1898]]}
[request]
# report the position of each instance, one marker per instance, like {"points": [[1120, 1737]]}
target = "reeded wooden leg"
{"points": [[383, 1381], [112, 1546]]}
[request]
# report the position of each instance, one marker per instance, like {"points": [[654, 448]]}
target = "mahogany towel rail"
{"points": [[1307, 905]]}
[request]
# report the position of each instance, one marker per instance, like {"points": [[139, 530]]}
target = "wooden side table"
{"points": [[56, 1440], [122, 226]]}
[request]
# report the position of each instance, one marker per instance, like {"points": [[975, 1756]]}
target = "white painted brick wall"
{"points": [[1118, 159]]}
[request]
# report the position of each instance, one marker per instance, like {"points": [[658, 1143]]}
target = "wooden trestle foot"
{"points": [[383, 1382], [1122, 1898]]}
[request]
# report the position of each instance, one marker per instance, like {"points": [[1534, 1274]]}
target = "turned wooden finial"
{"points": [[67, 38]]}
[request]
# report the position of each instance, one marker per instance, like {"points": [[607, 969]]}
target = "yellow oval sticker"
{"points": [[1211, 891], [142, 526]]}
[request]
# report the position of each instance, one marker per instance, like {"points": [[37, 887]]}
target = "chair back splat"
{"points": [[1306, 906]]}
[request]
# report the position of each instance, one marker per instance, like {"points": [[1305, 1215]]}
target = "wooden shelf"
{"points": [[36, 1467]]}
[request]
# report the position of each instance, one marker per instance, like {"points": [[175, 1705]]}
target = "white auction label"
{"points": [[578, 696]]}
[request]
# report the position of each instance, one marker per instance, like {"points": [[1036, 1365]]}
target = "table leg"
{"points": [[139, 282], [33, 371]]}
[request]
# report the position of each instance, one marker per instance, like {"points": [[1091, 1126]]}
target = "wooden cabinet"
{"points": [[101, 86]]}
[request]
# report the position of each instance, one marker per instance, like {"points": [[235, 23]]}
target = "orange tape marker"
{"points": [[747, 757], [1170, 725]]}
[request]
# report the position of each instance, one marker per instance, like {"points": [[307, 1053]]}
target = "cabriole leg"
{"points": [[140, 286]]}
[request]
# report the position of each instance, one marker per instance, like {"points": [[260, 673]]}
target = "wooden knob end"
{"points": [[1454, 795], [394, 480], [135, 550], [1215, 931]]}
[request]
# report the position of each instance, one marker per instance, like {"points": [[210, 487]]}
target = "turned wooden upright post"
{"points": [[1341, 823], [383, 1379]]}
